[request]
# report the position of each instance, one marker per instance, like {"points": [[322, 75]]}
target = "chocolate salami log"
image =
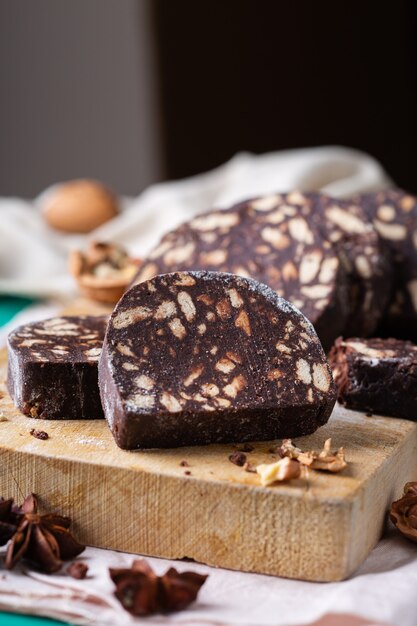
{"points": [[376, 375], [394, 216], [202, 357], [53, 367], [322, 255]]}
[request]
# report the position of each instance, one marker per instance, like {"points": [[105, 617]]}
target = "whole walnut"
{"points": [[404, 512], [79, 206]]}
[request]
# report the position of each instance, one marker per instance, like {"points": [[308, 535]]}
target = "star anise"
{"points": [[142, 592], [45, 540], [9, 519], [404, 512]]}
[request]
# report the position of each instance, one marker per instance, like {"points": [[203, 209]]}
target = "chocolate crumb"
{"points": [[247, 447], [274, 450], [249, 467], [39, 434], [187, 473], [369, 414], [184, 464], [238, 458], [77, 570]]}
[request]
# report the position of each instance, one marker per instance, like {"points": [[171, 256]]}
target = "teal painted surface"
{"points": [[12, 619], [9, 306]]}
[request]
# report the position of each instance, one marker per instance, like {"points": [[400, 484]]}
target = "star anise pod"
{"points": [[142, 592], [9, 519], [404, 512], [45, 540]]}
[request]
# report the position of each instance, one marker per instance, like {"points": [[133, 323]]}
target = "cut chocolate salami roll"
{"points": [[376, 375], [322, 255], [394, 215], [53, 367], [206, 357]]}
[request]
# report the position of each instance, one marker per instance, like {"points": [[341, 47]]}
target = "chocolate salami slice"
{"points": [[365, 257], [394, 216], [376, 375], [202, 357], [320, 254], [53, 367]]}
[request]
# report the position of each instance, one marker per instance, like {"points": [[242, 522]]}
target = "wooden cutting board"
{"points": [[319, 527]]}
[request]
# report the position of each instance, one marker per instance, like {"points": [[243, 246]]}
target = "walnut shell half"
{"points": [[103, 272]]}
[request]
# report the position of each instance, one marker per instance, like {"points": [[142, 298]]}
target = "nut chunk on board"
{"points": [[192, 358], [53, 367], [376, 375]]}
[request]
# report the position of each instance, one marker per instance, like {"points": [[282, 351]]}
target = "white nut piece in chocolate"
{"points": [[193, 358], [321, 254]]}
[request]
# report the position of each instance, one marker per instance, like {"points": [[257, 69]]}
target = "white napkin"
{"points": [[33, 258], [382, 590]]}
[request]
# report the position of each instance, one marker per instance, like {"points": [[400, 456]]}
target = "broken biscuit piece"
{"points": [[192, 358]]}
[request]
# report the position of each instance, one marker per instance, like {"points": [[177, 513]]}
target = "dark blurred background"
{"points": [[137, 91]]}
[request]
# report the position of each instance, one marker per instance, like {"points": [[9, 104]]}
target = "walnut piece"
{"points": [[104, 271], [403, 512], [288, 449], [325, 460], [283, 470]]}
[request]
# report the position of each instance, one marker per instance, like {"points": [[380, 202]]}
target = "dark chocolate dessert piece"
{"points": [[394, 215], [321, 254], [377, 376], [205, 357], [53, 367], [366, 259]]}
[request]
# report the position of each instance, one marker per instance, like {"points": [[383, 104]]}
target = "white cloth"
{"points": [[33, 262], [33, 258], [382, 590]]}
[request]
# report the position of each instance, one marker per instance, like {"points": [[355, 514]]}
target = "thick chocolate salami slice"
{"points": [[365, 257], [320, 254], [53, 367], [394, 215], [203, 357], [376, 375]]}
